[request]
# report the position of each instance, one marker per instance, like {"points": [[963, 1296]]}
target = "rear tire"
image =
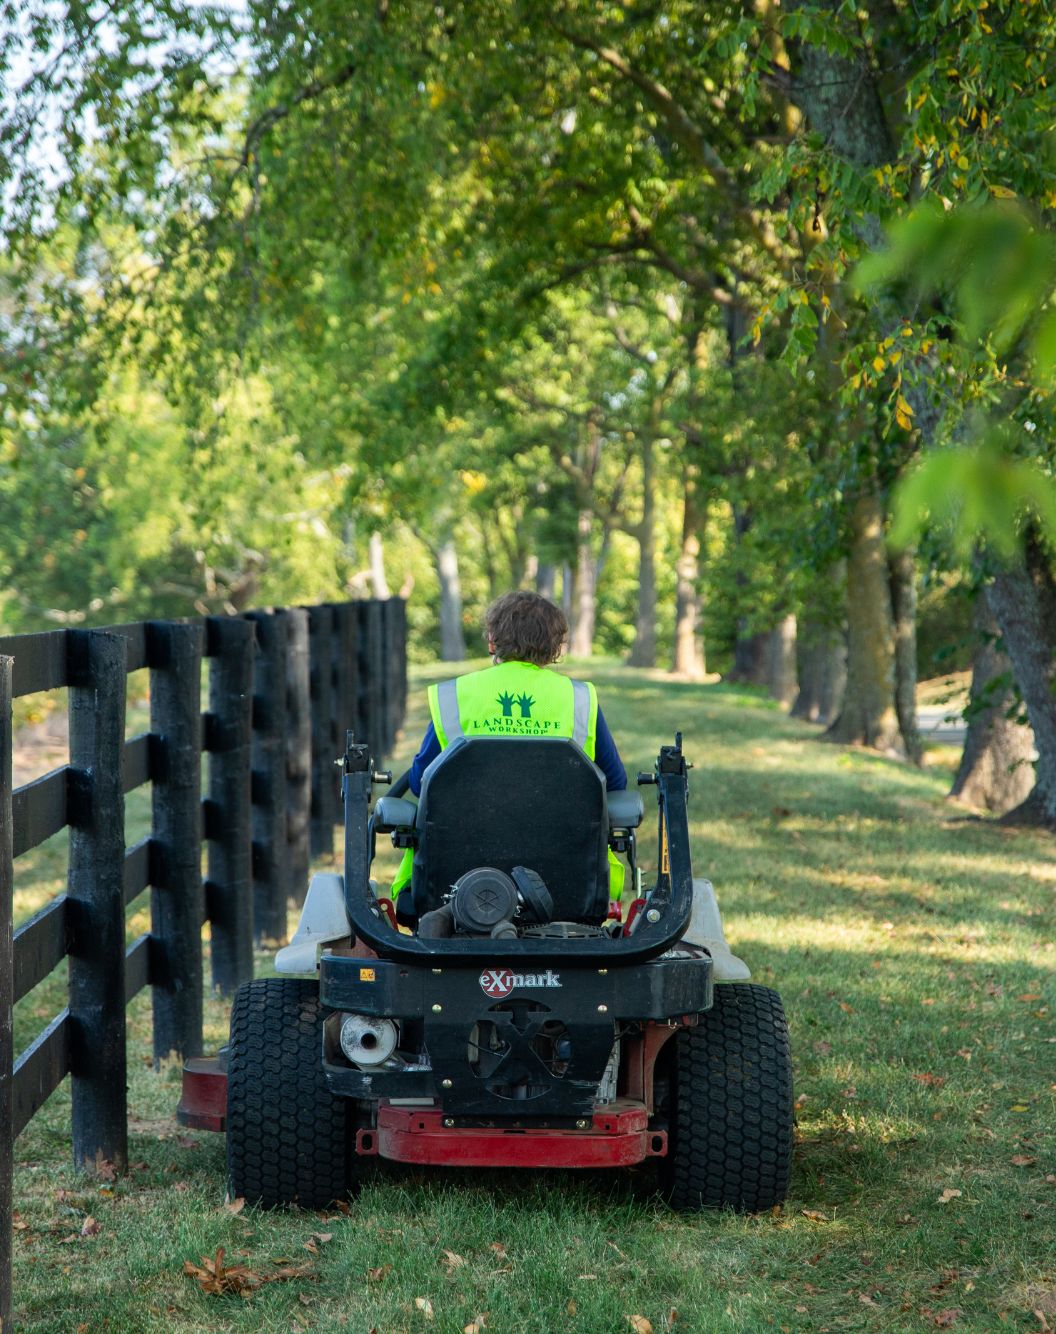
{"points": [[730, 1105], [287, 1135]]}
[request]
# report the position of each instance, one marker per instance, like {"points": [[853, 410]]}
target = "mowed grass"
{"points": [[913, 947]]}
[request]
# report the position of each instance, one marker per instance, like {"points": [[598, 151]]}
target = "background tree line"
{"points": [[657, 307]]}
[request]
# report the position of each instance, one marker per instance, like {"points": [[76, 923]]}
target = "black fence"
{"points": [[284, 686]]}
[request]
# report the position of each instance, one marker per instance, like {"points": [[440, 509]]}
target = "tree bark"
{"points": [[377, 567], [1023, 600], [995, 772], [751, 649], [821, 650], [688, 657], [903, 574], [584, 606], [868, 714], [452, 639], [643, 651], [782, 660], [546, 580]]}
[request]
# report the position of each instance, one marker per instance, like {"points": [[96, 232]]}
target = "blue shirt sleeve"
{"points": [[607, 757], [427, 753]]}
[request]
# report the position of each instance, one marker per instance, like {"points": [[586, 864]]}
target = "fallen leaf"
{"points": [[311, 1247], [815, 1214], [570, 1306], [185, 1142], [477, 1324], [822, 1048], [376, 1275], [236, 1206], [1029, 996], [90, 1228], [323, 1237], [946, 1318], [18, 1222], [849, 1092], [586, 1276], [932, 1081], [215, 1278], [453, 1261], [847, 1009], [1022, 1160], [304, 1299], [424, 1305], [801, 1309], [801, 1101], [949, 1194], [498, 1248], [640, 1325], [181, 1186], [1046, 1328], [105, 1170], [671, 1318]]}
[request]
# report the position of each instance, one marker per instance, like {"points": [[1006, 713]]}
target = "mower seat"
{"points": [[515, 801]]}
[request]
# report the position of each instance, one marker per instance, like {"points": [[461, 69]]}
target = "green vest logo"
{"points": [[506, 701]]}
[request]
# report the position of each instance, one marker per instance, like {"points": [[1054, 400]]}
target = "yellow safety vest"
{"points": [[515, 699]]}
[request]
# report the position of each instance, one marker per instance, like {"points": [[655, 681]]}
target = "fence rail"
{"points": [[284, 686]]}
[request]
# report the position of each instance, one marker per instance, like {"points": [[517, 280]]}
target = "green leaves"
{"points": [[991, 259], [977, 494]]}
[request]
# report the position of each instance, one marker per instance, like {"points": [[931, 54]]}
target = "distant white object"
{"points": [[705, 930], [323, 920]]}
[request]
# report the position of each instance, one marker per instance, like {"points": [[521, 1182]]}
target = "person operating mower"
{"points": [[518, 696], [514, 1021]]}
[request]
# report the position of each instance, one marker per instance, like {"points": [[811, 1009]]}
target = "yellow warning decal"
{"points": [[665, 864], [366, 974]]}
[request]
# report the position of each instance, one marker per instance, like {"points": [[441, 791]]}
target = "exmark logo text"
{"points": [[498, 982]]}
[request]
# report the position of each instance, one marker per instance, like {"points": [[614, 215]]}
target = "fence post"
{"points": [[298, 753], [174, 652], [346, 673], [324, 752], [270, 856], [95, 885], [7, 963], [231, 644], [371, 664]]}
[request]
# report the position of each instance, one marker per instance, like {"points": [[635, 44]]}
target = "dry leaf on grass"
{"points": [[376, 1275], [498, 1248], [640, 1325], [18, 1222], [424, 1305], [815, 1214], [949, 1194], [946, 1318], [216, 1279], [90, 1228], [477, 1325], [671, 1319], [1022, 1160], [236, 1206], [932, 1081], [453, 1261]]}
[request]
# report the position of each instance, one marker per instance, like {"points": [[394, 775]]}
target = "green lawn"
{"points": [[913, 947]]}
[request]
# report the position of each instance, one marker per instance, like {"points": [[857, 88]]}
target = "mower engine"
{"points": [[488, 902]]}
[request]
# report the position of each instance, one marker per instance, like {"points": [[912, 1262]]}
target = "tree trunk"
{"points": [[782, 660], [751, 649], [868, 714], [995, 773], [1023, 599], [377, 567], [584, 607], [821, 650], [546, 580], [452, 639], [903, 573], [643, 651], [688, 657], [566, 591]]}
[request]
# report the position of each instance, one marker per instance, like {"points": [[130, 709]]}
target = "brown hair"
{"points": [[524, 627]]}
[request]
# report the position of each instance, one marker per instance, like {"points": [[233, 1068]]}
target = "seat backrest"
{"points": [[515, 801]]}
